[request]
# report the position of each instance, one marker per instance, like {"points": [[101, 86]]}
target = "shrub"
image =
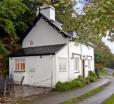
{"points": [[87, 81], [76, 83], [113, 74], [63, 86], [92, 76]]}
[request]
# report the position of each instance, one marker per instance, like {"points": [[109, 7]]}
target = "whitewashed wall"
{"points": [[88, 51], [74, 51], [69, 51], [62, 76], [44, 71], [17, 76], [39, 70], [43, 34]]}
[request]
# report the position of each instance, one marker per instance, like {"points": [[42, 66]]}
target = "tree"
{"points": [[98, 19], [9, 11]]}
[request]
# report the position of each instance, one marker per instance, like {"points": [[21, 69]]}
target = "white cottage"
{"points": [[49, 55]]}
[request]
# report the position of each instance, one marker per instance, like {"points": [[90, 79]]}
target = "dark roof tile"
{"points": [[36, 51]]}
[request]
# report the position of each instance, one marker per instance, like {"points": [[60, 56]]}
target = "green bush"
{"points": [[62, 86], [76, 83], [113, 74], [87, 81], [92, 76]]}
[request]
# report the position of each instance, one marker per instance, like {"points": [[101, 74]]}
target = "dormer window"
{"points": [[31, 42]]}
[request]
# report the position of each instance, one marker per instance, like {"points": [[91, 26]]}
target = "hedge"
{"points": [[76, 83]]}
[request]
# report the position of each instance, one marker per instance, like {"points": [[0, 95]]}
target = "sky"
{"points": [[79, 6], [79, 9], [108, 43]]}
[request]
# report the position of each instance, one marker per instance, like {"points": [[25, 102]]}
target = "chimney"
{"points": [[48, 12], [73, 34]]}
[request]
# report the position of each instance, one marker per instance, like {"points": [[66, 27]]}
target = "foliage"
{"points": [[9, 11], [84, 96], [98, 19], [76, 83], [7, 46], [103, 55], [17, 15], [110, 100], [92, 76]]}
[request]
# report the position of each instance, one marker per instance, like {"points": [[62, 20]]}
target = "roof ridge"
{"points": [[40, 15]]}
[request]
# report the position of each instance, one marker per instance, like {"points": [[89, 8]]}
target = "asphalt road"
{"points": [[57, 99], [100, 97]]}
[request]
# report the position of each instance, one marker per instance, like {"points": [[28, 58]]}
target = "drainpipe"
{"points": [[68, 61]]}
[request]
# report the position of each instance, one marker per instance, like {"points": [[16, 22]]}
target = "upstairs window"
{"points": [[20, 65], [31, 42], [62, 64]]}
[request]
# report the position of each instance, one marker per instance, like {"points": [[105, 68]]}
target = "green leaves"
{"points": [[3, 50], [9, 11], [98, 19]]}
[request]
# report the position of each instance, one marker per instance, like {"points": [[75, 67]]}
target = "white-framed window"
{"points": [[62, 64], [20, 65], [31, 42], [76, 64], [89, 64]]}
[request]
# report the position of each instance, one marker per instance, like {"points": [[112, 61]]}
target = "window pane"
{"points": [[16, 66], [76, 64], [89, 64], [20, 64], [62, 64]]}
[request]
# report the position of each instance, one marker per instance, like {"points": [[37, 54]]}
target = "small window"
{"points": [[31, 42], [20, 65], [76, 64], [62, 64]]}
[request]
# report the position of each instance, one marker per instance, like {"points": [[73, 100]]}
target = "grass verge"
{"points": [[86, 95], [109, 100]]}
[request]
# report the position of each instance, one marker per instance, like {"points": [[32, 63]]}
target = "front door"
{"points": [[83, 68]]}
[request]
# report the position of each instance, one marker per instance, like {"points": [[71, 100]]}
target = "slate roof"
{"points": [[37, 51], [51, 23]]}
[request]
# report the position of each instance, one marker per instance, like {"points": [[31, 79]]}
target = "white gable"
{"points": [[43, 34]]}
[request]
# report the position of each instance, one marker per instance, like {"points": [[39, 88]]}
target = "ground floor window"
{"points": [[89, 64], [62, 64], [20, 65], [76, 64]]}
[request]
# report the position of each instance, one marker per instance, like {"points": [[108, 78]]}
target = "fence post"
{"points": [[5, 88]]}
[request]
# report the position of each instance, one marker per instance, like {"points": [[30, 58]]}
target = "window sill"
{"points": [[76, 72], [62, 71], [19, 71]]}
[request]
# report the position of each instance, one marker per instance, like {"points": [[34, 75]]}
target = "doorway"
{"points": [[83, 68]]}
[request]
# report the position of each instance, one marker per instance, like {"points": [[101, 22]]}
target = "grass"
{"points": [[86, 95], [108, 101], [102, 72]]}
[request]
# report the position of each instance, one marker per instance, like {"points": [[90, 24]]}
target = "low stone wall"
{"points": [[24, 91]]}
